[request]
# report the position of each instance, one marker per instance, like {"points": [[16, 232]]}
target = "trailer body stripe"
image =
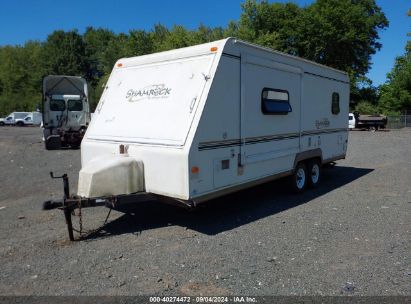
{"points": [[262, 139]]}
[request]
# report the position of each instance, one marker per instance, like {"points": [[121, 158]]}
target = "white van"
{"points": [[33, 118], [203, 121], [12, 118]]}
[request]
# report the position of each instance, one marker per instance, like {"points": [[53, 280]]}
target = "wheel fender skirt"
{"points": [[307, 155], [111, 175]]}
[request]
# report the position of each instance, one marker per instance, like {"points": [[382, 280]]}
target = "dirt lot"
{"points": [[351, 236]]}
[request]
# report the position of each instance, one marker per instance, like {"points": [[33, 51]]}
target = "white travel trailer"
{"points": [[202, 121], [199, 122]]}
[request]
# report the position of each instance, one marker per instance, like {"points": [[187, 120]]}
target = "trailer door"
{"points": [[270, 114]]}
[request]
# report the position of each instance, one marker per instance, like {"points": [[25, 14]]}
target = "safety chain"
{"points": [[80, 231]]}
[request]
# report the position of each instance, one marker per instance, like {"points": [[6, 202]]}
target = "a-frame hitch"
{"points": [[70, 203]]}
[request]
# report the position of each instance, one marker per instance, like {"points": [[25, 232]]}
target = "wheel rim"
{"points": [[315, 173], [300, 178]]}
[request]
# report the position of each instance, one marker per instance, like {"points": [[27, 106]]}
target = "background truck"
{"points": [[66, 113], [12, 118], [369, 122], [33, 118]]}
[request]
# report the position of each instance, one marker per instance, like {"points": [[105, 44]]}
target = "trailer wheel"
{"points": [[314, 173], [53, 143], [299, 178]]}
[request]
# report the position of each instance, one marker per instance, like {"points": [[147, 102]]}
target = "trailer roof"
{"points": [[266, 49], [191, 51], [234, 47]]}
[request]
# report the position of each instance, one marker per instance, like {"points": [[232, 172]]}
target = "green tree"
{"points": [[206, 34], [177, 37], [396, 92], [339, 33], [20, 77], [270, 24], [96, 42], [342, 34], [139, 43], [64, 53], [365, 107]]}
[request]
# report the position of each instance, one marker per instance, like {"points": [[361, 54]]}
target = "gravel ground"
{"points": [[351, 236]]}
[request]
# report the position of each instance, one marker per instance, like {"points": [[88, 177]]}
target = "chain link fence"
{"points": [[398, 122]]}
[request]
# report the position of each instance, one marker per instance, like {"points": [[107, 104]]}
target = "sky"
{"points": [[23, 20]]}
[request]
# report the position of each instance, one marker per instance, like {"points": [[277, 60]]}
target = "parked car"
{"points": [[33, 118], [12, 118]]}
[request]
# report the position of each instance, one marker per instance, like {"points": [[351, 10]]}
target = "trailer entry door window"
{"points": [[335, 103], [57, 105], [75, 105], [274, 101]]}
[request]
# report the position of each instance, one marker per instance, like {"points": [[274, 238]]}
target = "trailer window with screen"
{"points": [[57, 105], [274, 101], [335, 103]]}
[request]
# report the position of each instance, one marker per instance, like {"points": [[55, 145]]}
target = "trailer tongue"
{"points": [[102, 183], [69, 203]]}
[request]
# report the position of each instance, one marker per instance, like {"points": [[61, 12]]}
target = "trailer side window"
{"points": [[335, 103], [57, 105], [75, 105], [274, 101]]}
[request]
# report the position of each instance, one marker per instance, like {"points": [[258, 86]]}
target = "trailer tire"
{"points": [[52, 143], [299, 178], [314, 173]]}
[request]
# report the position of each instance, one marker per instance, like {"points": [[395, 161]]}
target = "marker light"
{"points": [[195, 170], [119, 65], [213, 49]]}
